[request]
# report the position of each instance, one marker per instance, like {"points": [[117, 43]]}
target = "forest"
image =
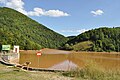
{"points": [[18, 29], [100, 39]]}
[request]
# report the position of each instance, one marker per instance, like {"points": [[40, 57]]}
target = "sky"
{"points": [[69, 17]]}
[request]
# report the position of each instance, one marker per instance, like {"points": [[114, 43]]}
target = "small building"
{"points": [[16, 49]]}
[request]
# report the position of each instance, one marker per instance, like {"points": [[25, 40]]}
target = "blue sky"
{"points": [[69, 17]]}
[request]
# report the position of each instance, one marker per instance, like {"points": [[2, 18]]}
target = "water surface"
{"points": [[65, 60]]}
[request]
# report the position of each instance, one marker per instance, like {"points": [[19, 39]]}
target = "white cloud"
{"points": [[36, 12], [19, 6], [51, 13], [72, 32], [55, 13], [82, 30], [97, 12], [77, 31], [14, 4]]}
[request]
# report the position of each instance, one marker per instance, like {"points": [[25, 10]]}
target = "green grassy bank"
{"points": [[90, 72]]}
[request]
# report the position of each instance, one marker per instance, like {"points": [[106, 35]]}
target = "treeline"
{"points": [[104, 39], [18, 29]]}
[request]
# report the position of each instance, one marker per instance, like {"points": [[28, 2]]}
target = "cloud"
{"points": [[19, 6], [77, 31], [50, 13], [36, 12], [97, 12], [72, 32], [55, 13], [14, 4], [82, 30]]}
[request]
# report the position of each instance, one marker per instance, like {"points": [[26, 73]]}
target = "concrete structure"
{"points": [[16, 49]]}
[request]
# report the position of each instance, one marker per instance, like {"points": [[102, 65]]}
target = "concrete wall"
{"points": [[10, 57]]}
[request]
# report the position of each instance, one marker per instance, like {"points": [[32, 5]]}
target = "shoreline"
{"points": [[57, 51], [15, 61]]}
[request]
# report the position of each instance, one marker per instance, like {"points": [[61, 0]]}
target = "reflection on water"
{"points": [[65, 65], [60, 61]]}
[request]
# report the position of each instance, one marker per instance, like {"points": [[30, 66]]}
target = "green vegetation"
{"points": [[90, 72], [71, 37], [93, 72], [83, 46], [18, 29], [101, 39], [12, 73]]}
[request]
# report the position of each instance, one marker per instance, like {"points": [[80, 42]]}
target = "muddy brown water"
{"points": [[65, 60]]}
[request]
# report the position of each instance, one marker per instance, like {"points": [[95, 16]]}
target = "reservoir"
{"points": [[66, 60]]}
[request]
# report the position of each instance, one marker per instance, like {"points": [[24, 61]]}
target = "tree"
{"points": [[111, 47], [68, 47]]}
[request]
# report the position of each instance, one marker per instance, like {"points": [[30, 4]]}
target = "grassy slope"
{"points": [[82, 46]]}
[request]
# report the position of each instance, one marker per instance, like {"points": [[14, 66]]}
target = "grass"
{"points": [[90, 72], [82, 46], [12, 73], [93, 72]]}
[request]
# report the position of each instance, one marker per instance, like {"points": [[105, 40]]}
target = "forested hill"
{"points": [[18, 29], [101, 39]]}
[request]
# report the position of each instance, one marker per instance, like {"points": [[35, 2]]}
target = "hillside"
{"points": [[18, 29], [71, 37], [101, 39]]}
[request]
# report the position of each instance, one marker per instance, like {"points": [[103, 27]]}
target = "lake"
{"points": [[66, 60]]}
